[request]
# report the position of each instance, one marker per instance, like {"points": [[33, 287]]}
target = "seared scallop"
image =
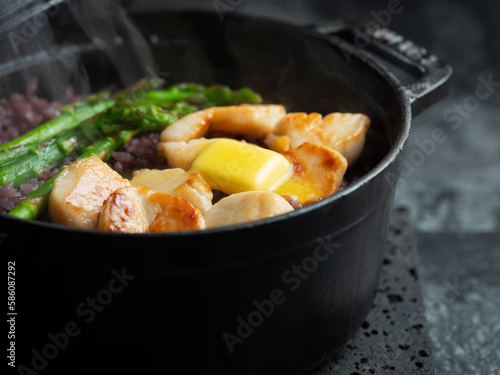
{"points": [[246, 206], [139, 210], [343, 132], [246, 119], [181, 154], [188, 127], [176, 182], [124, 212], [80, 191], [318, 173], [171, 214]]}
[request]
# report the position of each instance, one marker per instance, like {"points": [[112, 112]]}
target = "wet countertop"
{"points": [[452, 192]]}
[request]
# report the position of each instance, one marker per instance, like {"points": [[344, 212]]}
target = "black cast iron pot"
{"points": [[276, 296]]}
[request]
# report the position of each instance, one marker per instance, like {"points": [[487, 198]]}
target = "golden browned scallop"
{"points": [[124, 212], [188, 127], [177, 182], [80, 191], [171, 214], [246, 119], [318, 173], [343, 132], [246, 206]]}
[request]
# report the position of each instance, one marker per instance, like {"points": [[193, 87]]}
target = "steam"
{"points": [[123, 44], [33, 47], [15, 12]]}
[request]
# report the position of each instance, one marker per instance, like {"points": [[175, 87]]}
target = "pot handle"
{"points": [[432, 75]]}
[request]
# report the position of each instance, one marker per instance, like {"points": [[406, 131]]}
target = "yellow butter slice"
{"points": [[233, 167]]}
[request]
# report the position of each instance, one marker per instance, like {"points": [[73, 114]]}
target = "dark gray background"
{"points": [[454, 195]]}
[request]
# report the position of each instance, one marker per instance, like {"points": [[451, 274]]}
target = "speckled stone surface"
{"points": [[394, 337], [462, 296]]}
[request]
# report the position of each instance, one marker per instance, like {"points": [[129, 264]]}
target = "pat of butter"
{"points": [[233, 167]]}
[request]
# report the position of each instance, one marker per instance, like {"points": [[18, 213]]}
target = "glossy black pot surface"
{"points": [[275, 296]]}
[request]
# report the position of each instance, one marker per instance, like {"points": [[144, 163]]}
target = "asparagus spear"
{"points": [[32, 164], [13, 153], [36, 201], [146, 116], [214, 95], [68, 120], [45, 156]]}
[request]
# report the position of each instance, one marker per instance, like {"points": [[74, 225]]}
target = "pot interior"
{"points": [[286, 64]]}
